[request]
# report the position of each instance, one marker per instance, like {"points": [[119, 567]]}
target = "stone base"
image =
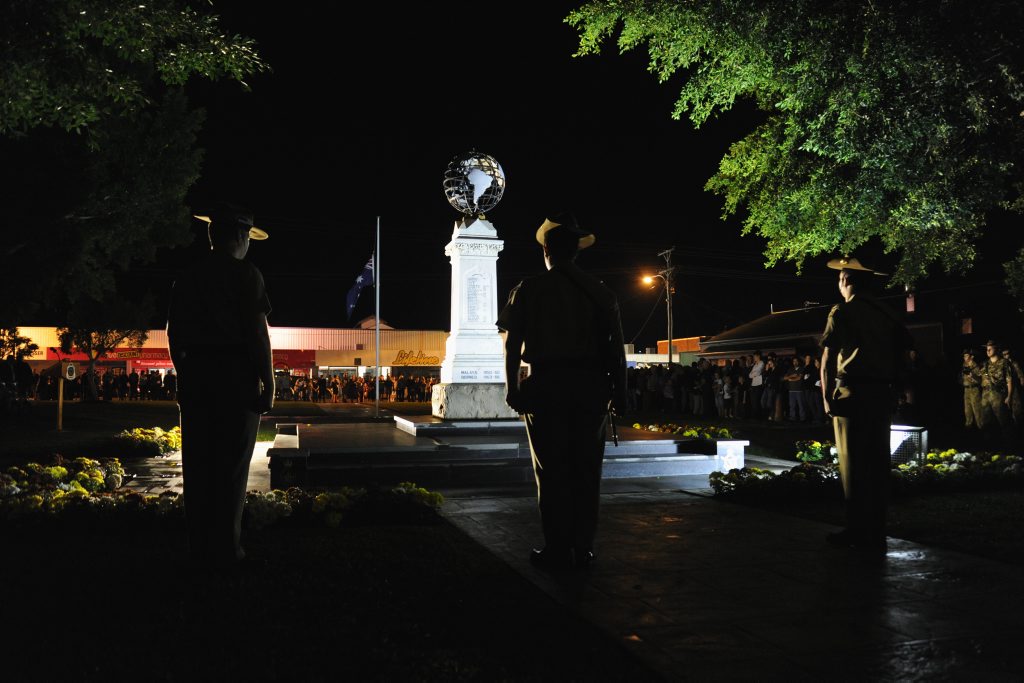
{"points": [[470, 402]]}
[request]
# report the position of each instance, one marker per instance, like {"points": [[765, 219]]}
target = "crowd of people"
{"points": [[103, 384], [18, 381], [993, 400], [770, 388], [351, 388]]}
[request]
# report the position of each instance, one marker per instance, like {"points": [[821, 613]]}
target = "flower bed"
{"points": [[83, 488], [942, 471], [710, 432], [141, 442]]}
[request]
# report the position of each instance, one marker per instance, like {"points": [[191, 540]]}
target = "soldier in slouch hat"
{"points": [[565, 322], [863, 344]]}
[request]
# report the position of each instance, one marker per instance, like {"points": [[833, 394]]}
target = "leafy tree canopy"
{"points": [[98, 140], [72, 63], [96, 327], [900, 121], [13, 344]]}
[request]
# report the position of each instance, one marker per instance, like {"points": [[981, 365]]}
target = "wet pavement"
{"points": [[154, 476], [701, 589], [705, 590]]}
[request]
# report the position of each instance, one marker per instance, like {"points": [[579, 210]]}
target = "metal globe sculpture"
{"points": [[474, 183]]}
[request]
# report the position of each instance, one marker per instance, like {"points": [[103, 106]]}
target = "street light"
{"points": [[668, 275]]}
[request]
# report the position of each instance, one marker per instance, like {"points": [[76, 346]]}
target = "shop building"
{"points": [[297, 350]]}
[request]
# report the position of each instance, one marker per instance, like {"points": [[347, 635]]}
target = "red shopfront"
{"points": [[295, 361], [125, 359], [148, 358]]}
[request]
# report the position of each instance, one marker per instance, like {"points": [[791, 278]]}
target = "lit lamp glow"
{"points": [[666, 277], [907, 443]]}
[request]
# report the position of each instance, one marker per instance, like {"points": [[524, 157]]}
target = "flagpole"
{"points": [[376, 315]]}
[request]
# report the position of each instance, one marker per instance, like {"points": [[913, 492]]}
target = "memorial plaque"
{"points": [[478, 299]]}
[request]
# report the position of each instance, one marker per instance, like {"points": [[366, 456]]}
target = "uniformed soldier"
{"points": [[971, 380], [565, 324], [863, 344], [996, 391], [220, 345], [1017, 381]]}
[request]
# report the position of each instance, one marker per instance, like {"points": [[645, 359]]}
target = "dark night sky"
{"points": [[366, 107]]}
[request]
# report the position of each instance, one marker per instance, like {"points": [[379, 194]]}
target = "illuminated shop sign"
{"points": [[417, 358]]}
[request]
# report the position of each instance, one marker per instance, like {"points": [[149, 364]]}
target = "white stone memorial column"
{"points": [[473, 370]]}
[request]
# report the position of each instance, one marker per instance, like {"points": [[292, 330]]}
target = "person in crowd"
{"points": [[996, 393], [861, 350], [728, 396], [756, 385], [795, 388], [1016, 379], [718, 386], [565, 320], [970, 380], [220, 345]]}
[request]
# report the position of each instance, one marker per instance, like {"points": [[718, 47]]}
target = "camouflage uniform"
{"points": [[971, 380], [994, 376], [1016, 403]]}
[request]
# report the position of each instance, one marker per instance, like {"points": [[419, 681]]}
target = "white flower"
{"points": [[954, 467]]}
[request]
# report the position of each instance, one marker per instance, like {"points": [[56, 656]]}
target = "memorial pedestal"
{"points": [[470, 402], [473, 371]]}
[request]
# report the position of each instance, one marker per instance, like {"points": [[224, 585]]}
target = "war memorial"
{"points": [[472, 437]]}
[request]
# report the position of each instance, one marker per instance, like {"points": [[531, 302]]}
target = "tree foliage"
{"points": [[98, 140], [13, 344], [896, 121], [73, 63], [96, 328]]}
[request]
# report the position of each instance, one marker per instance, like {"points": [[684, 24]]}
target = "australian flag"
{"points": [[365, 279]]}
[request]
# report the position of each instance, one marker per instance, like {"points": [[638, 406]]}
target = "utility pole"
{"points": [[668, 275]]}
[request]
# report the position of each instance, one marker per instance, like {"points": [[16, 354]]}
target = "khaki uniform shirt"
{"points": [[869, 339], [216, 303], [563, 323]]}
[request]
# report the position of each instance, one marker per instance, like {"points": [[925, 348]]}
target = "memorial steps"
{"points": [[433, 452]]}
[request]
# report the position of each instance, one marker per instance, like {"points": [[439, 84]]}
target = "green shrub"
{"points": [[709, 432], [942, 471], [816, 451], [141, 442]]}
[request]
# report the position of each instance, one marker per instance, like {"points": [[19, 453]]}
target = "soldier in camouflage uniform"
{"points": [[996, 391], [1017, 379], [971, 381]]}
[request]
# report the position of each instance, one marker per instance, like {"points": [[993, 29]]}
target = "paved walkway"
{"points": [[706, 590]]}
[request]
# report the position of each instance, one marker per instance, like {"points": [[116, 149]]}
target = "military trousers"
{"points": [[567, 446], [994, 411], [972, 407], [218, 433], [862, 421]]}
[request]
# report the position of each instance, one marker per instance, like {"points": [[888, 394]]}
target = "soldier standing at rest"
{"points": [[565, 321], [996, 392], [220, 345], [970, 378], [1016, 403], [862, 348]]}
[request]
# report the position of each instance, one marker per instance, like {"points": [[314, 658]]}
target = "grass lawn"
{"points": [[386, 602]]}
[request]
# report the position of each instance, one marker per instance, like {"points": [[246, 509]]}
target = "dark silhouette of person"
{"points": [[220, 345], [565, 324], [863, 346]]}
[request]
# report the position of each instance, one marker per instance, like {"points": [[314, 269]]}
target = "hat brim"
{"points": [[586, 240], [254, 232], [851, 264]]}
